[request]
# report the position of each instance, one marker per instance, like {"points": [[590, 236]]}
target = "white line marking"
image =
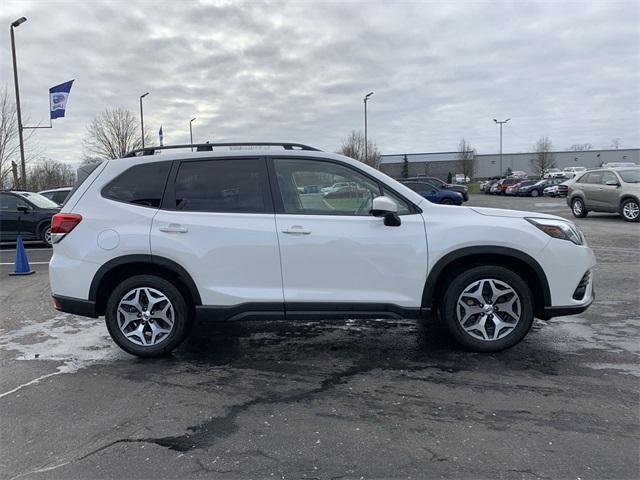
{"points": [[30, 263], [31, 382]]}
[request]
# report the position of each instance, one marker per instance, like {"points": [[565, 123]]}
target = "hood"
{"points": [[501, 212]]}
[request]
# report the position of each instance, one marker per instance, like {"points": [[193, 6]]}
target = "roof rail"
{"points": [[208, 147]]}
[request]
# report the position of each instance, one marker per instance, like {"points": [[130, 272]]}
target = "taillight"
{"points": [[63, 223]]}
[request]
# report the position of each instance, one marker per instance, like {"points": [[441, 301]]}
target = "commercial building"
{"points": [[488, 165]]}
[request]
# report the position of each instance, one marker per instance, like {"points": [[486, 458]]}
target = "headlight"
{"points": [[561, 229]]}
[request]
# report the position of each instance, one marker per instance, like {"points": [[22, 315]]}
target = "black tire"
{"points": [[181, 318], [578, 208], [45, 234], [446, 201], [629, 210], [535, 193], [449, 313]]}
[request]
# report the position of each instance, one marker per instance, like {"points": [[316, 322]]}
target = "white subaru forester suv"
{"points": [[163, 238]]}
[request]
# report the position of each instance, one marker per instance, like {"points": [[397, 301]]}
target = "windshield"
{"points": [[39, 201], [541, 182], [630, 176]]}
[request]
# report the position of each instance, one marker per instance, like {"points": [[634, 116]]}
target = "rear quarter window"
{"points": [[140, 185]]}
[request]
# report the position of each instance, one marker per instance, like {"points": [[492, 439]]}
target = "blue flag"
{"points": [[160, 135], [58, 96]]}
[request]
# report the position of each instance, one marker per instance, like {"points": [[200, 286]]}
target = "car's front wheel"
{"points": [[578, 208], [630, 210], [535, 193], [446, 201], [488, 308], [147, 316]]}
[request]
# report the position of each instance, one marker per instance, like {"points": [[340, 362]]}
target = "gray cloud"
{"points": [[298, 70]]}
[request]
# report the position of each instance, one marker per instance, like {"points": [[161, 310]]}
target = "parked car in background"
{"points": [[571, 172], [461, 189], [500, 186], [58, 195], [333, 187], [537, 189], [619, 164], [553, 173], [435, 194], [519, 174], [615, 190], [28, 214], [513, 189], [558, 190], [488, 184], [460, 178]]}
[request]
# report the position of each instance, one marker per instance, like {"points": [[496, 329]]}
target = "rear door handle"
{"points": [[296, 230], [173, 228]]}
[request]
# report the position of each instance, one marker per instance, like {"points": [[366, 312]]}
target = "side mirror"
{"points": [[612, 183], [23, 208], [386, 208]]}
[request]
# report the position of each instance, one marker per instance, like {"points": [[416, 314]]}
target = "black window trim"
{"points": [[277, 197], [169, 198], [162, 195]]}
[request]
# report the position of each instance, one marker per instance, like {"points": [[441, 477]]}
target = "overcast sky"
{"points": [[297, 71]]}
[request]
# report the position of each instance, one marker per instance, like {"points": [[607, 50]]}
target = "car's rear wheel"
{"points": [[488, 308], [446, 201], [578, 208], [147, 316], [45, 235], [630, 210], [535, 193]]}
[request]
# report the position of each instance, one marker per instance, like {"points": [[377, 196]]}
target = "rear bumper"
{"points": [[76, 306]]}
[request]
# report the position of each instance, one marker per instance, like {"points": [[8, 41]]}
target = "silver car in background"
{"points": [[613, 190]]}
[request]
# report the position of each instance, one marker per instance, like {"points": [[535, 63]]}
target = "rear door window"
{"points": [[236, 185], [141, 184]]}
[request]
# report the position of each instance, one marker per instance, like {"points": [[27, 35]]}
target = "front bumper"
{"points": [[551, 312]]}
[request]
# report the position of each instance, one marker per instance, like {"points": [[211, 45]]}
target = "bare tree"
{"points": [[466, 158], [544, 158], [615, 143], [9, 141], [353, 146], [580, 147], [47, 173], [113, 134]]}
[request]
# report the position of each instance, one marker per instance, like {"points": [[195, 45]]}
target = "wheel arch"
{"points": [[628, 196], [109, 274], [515, 260]]}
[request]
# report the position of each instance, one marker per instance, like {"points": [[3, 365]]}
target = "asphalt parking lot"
{"points": [[352, 399]]}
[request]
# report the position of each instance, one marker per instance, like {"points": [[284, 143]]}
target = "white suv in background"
{"points": [[157, 240]]}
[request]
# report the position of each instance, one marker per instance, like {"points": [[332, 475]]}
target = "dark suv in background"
{"points": [[28, 214], [461, 189], [614, 190]]}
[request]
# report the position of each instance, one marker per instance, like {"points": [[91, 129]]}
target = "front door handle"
{"points": [[296, 230], [173, 228]]}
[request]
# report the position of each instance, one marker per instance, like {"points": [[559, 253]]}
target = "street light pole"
{"points": [[23, 170], [366, 143], [191, 133], [142, 118], [501, 123]]}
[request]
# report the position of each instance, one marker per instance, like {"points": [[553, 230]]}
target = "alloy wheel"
{"points": [[145, 316], [577, 207], [631, 210], [488, 309], [47, 236]]}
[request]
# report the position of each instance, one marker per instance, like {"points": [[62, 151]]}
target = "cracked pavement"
{"points": [[351, 399]]}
